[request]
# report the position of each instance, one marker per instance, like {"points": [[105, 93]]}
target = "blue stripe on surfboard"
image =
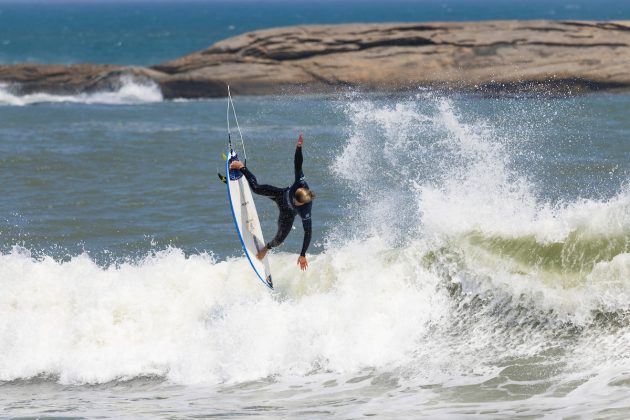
{"points": [[238, 230]]}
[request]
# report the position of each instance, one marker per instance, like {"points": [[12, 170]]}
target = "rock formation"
{"points": [[492, 56]]}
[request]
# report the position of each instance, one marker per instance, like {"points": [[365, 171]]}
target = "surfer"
{"points": [[291, 201]]}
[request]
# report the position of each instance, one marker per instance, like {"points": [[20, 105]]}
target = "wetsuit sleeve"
{"points": [[305, 214], [297, 162], [308, 232]]}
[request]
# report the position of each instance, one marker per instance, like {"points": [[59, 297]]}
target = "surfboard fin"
{"points": [[223, 178]]}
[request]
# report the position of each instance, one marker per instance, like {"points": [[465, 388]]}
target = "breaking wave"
{"points": [[129, 93]]}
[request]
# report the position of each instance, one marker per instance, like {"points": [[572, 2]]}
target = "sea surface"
{"points": [[470, 258], [145, 32]]}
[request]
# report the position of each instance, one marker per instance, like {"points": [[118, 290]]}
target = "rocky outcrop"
{"points": [[493, 56]]}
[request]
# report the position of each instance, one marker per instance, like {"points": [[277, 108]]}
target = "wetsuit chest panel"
{"points": [[305, 211]]}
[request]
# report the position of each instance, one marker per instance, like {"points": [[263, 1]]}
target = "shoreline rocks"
{"points": [[492, 57]]}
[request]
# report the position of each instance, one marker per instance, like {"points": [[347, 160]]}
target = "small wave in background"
{"points": [[130, 92]]}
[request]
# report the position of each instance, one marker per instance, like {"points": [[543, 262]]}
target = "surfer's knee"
{"points": [[279, 239]]}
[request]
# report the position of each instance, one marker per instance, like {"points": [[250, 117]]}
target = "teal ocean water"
{"points": [[145, 32], [471, 255]]}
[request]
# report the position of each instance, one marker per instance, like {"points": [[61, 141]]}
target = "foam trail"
{"points": [[129, 93]]}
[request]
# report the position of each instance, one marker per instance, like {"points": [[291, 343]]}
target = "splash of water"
{"points": [[422, 173]]}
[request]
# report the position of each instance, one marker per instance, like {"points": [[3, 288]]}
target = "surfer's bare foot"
{"points": [[236, 165], [262, 253], [300, 141]]}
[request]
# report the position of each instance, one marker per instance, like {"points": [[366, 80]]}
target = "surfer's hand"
{"points": [[300, 140], [236, 165], [302, 262]]}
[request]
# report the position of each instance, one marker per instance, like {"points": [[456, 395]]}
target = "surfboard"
{"points": [[246, 219]]}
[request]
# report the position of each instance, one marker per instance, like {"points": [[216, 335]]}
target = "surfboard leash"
{"points": [[231, 102]]}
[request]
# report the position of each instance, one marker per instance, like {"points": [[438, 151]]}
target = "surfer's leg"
{"points": [[264, 190], [285, 223]]}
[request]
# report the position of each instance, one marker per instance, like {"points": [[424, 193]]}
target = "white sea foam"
{"points": [[130, 92], [197, 320]]}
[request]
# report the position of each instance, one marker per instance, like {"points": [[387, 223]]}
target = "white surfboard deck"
{"points": [[246, 220]]}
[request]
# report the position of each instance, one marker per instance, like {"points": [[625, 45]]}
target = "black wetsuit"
{"points": [[283, 197]]}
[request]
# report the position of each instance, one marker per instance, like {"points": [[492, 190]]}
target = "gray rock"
{"points": [[491, 57]]}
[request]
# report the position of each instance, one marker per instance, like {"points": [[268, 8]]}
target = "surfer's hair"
{"points": [[304, 195]]}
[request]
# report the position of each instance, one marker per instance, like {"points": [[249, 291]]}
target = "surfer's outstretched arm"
{"points": [[298, 159], [308, 232]]}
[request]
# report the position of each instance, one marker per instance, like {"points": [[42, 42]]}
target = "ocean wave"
{"points": [[563, 248], [577, 253], [129, 93], [362, 305]]}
